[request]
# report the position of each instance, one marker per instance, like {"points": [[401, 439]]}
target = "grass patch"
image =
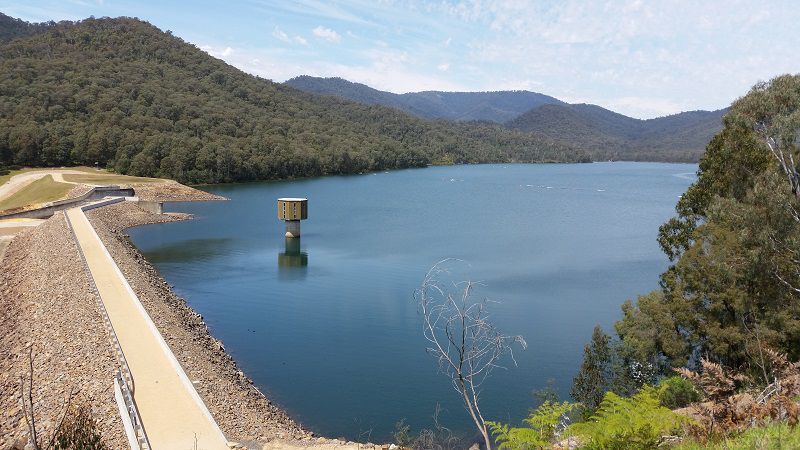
{"points": [[43, 190], [108, 178], [4, 178], [773, 436]]}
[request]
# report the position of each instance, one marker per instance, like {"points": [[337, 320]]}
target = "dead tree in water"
{"points": [[467, 346]]}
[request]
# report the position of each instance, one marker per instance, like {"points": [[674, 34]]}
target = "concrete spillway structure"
{"points": [[292, 211]]}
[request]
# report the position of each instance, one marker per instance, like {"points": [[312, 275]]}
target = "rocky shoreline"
{"points": [[242, 411], [47, 304]]}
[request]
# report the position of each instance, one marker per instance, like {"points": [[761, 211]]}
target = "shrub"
{"points": [[79, 431], [402, 433], [771, 436], [730, 408], [544, 424], [638, 422], [677, 392]]}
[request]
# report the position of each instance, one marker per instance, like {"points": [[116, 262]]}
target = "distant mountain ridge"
{"points": [[498, 106], [603, 133], [610, 135]]}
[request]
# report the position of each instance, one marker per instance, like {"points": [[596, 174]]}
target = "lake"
{"points": [[327, 327]]}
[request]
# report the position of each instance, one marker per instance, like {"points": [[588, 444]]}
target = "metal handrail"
{"points": [[123, 373], [133, 412]]}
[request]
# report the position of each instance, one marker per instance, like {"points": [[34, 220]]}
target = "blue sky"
{"points": [[641, 58]]}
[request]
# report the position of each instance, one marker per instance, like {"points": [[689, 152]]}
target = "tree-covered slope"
{"points": [[499, 106], [11, 28], [122, 93], [600, 132], [606, 134]]}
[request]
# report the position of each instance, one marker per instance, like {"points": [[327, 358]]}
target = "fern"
{"points": [[543, 425], [638, 422]]}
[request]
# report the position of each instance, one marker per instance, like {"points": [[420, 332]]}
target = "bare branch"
{"points": [[463, 340]]}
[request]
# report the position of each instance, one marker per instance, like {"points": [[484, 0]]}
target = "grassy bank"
{"points": [[43, 190]]}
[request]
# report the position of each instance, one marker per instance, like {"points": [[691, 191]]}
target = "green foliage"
{"points": [[732, 160], [677, 392], [775, 436], [609, 366], [734, 242], [772, 109], [592, 381], [122, 93], [546, 394], [543, 424], [79, 431], [11, 28], [498, 106], [609, 135], [638, 422]]}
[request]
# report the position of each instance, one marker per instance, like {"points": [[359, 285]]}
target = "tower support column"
{"points": [[292, 228]]}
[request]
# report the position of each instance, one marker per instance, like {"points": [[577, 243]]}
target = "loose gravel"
{"points": [[48, 306]]}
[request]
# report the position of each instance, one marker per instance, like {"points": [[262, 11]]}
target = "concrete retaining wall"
{"points": [[47, 211], [151, 207]]}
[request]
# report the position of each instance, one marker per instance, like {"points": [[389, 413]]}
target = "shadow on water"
{"points": [[292, 262], [193, 250]]}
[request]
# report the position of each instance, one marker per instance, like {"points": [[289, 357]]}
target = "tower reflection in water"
{"points": [[292, 263]]}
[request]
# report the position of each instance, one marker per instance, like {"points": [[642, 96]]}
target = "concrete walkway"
{"points": [[173, 414]]}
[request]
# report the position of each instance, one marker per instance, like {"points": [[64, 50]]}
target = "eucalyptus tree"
{"points": [[734, 285]]}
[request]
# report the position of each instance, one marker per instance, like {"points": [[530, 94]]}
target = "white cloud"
{"points": [[283, 37], [280, 35], [645, 106], [217, 52], [643, 58], [385, 69], [327, 34], [640, 58]]}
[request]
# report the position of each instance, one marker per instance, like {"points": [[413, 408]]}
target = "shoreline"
{"points": [[48, 305], [243, 412]]}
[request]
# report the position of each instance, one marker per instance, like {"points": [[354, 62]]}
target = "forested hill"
{"points": [[11, 28], [122, 93], [499, 106], [602, 133], [609, 135]]}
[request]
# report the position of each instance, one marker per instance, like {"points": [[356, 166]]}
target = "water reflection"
{"points": [[191, 250], [292, 263]]}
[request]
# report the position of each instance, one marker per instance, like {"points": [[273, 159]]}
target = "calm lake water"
{"points": [[330, 331]]}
